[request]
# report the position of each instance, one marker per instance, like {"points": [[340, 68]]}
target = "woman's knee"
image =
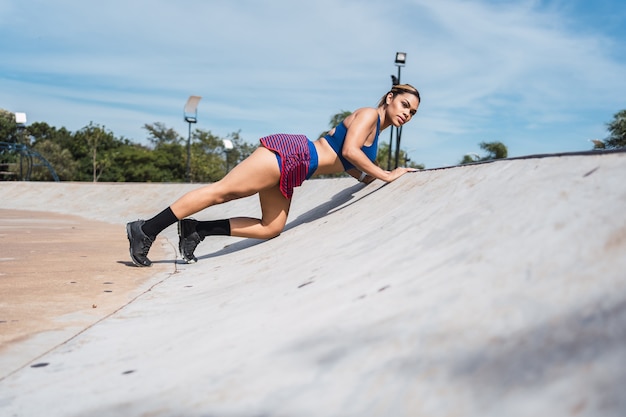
{"points": [[271, 231]]}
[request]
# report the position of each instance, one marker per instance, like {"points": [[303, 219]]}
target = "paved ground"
{"points": [[487, 290], [57, 278]]}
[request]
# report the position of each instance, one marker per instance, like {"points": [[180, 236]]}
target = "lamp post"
{"points": [[20, 121], [400, 62], [228, 146], [395, 80], [191, 116]]}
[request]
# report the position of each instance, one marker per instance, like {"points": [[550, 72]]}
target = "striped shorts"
{"points": [[297, 159]]}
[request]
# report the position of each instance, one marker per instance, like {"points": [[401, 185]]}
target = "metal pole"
{"points": [[398, 132], [191, 108], [390, 146], [188, 173], [394, 81]]}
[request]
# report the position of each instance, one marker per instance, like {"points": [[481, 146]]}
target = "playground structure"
{"points": [[18, 160]]}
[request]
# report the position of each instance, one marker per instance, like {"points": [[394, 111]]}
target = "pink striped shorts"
{"points": [[297, 159]]}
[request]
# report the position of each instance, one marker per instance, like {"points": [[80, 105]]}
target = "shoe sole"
{"points": [[180, 249], [130, 250]]}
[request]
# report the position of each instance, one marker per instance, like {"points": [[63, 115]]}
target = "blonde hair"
{"points": [[400, 89]]}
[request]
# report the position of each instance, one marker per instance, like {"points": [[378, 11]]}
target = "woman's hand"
{"points": [[387, 176], [397, 173]]}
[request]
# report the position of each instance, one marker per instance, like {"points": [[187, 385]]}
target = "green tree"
{"points": [[208, 162], [41, 131], [495, 150], [96, 136], [52, 143], [8, 127], [617, 131], [383, 157], [170, 153], [211, 160], [93, 148], [74, 143], [61, 160], [159, 134], [170, 161], [137, 163], [469, 158]]}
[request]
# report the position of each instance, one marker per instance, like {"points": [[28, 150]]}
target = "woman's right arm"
{"points": [[361, 126], [360, 175]]}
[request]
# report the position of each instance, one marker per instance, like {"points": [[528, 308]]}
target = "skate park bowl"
{"points": [[492, 289]]}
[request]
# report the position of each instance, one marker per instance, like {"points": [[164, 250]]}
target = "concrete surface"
{"points": [[487, 290], [57, 279]]}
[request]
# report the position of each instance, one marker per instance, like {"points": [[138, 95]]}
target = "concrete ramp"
{"points": [[496, 289]]}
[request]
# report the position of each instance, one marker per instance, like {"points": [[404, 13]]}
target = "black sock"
{"points": [[155, 225], [213, 228]]}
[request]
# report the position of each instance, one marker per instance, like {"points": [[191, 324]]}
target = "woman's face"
{"points": [[401, 108]]}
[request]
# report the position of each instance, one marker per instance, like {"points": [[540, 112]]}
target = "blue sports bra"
{"points": [[336, 142]]}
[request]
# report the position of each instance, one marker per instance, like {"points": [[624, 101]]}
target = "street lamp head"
{"points": [[228, 144], [191, 109], [400, 58], [20, 118]]}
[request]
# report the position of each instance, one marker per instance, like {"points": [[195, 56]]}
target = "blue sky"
{"points": [[539, 76]]}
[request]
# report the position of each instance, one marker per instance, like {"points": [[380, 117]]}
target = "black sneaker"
{"points": [[139, 243], [188, 239]]}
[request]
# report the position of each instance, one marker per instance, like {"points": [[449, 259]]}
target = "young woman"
{"points": [[281, 163]]}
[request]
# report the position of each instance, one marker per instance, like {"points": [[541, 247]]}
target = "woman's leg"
{"points": [[274, 209], [274, 212], [257, 172]]}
